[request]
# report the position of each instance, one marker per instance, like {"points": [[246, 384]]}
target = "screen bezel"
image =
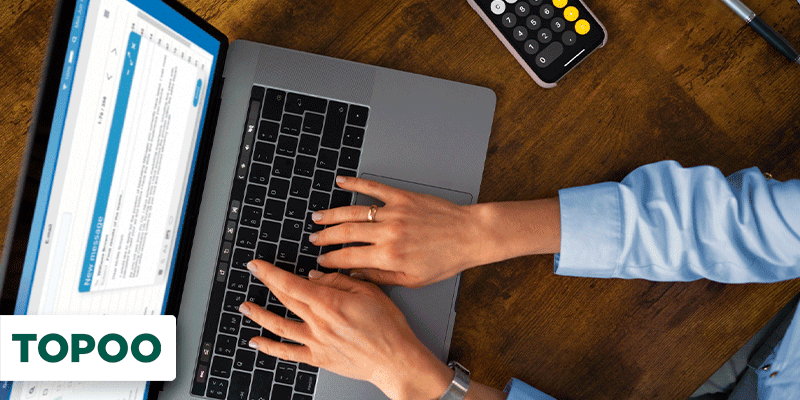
{"points": [[28, 185]]}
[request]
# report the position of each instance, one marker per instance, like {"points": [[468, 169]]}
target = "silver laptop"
{"points": [[172, 158]]}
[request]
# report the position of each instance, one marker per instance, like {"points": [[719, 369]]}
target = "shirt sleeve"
{"points": [[518, 390], [664, 222]]}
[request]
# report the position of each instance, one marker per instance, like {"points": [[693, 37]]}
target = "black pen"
{"points": [[774, 38]]}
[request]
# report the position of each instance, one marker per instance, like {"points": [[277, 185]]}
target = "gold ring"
{"points": [[372, 211]]}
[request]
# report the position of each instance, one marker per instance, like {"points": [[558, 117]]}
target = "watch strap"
{"points": [[457, 389]]}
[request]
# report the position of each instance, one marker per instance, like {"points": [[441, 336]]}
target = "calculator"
{"points": [[547, 37]]}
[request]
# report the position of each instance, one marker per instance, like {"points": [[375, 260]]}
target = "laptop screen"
{"points": [[121, 153]]}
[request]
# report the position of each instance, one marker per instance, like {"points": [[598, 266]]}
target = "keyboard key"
{"points": [[287, 251], [311, 226], [327, 159], [304, 166], [266, 251], [282, 167], [240, 386], [345, 172], [298, 396], [229, 323], [221, 366], [265, 361], [262, 382], [306, 247], [217, 388], [247, 322], [251, 216], [310, 368], [259, 173], [230, 230], [225, 253], [244, 360], [241, 257], [313, 123], [285, 373], [273, 104], [285, 266], [353, 136], [296, 208], [274, 300], [238, 280], [258, 294], [277, 310], [268, 131], [318, 201], [270, 231], [263, 152], [340, 198], [292, 229], [334, 125], [357, 115], [232, 301], [301, 187], [291, 124], [323, 180], [255, 194], [271, 336], [247, 238], [305, 382], [246, 335], [274, 209], [226, 345], [287, 146], [278, 188], [281, 392], [299, 103], [257, 93], [308, 144], [349, 158]]}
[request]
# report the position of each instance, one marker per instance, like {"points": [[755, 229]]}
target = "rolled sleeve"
{"points": [[518, 390], [591, 231]]}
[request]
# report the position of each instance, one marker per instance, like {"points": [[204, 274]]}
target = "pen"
{"points": [[754, 21]]}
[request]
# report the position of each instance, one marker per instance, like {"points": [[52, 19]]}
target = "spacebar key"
{"points": [[550, 53]]}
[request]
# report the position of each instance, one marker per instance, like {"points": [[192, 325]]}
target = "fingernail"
{"points": [[253, 345], [314, 274], [244, 309], [313, 237], [321, 259], [357, 275], [251, 266], [316, 216], [340, 179]]}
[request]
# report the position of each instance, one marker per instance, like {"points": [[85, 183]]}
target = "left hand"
{"points": [[349, 327]]}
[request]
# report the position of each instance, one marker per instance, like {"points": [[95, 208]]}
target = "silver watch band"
{"points": [[460, 384]]}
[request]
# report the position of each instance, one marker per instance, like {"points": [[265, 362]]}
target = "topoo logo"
{"points": [[77, 349]]}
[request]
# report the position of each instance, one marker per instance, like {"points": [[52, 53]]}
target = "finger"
{"points": [[347, 214], [384, 193], [274, 323], [335, 280], [350, 257], [378, 276], [288, 286], [351, 232], [286, 351]]}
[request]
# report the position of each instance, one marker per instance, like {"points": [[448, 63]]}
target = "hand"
{"points": [[349, 327], [416, 239]]}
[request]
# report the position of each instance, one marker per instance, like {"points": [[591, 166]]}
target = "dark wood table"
{"points": [[683, 80]]}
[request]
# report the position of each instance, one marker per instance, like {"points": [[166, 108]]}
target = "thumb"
{"points": [[378, 276]]}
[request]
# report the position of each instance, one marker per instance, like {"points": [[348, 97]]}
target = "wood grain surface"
{"points": [[678, 79]]}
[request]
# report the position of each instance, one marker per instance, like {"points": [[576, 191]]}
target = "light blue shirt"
{"points": [[668, 223]]}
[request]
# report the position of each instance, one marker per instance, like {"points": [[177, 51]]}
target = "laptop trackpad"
{"points": [[428, 310]]}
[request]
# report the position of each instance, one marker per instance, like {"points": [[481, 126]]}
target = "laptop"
{"points": [[161, 159]]}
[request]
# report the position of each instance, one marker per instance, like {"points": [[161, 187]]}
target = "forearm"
{"points": [[517, 228]]}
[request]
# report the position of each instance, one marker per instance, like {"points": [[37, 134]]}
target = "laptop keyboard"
{"points": [[293, 147]]}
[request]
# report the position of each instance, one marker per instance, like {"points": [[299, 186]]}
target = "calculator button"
{"points": [[533, 22], [535, 2], [557, 24], [522, 9], [497, 7], [509, 20], [520, 33], [571, 13], [545, 35], [531, 47], [549, 54], [559, 3], [582, 27], [569, 38], [547, 11], [511, 1]]}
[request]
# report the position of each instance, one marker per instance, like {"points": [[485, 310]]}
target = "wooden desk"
{"points": [[683, 80]]}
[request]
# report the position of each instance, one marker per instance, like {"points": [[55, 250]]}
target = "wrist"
{"points": [[487, 237], [423, 376]]}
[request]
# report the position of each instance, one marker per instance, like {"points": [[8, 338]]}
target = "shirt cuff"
{"points": [[591, 231], [518, 390]]}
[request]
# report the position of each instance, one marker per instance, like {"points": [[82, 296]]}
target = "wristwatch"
{"points": [[460, 384]]}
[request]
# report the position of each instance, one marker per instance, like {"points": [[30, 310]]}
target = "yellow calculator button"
{"points": [[582, 27], [559, 3], [570, 13]]}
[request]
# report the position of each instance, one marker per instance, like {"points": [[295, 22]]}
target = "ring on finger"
{"points": [[372, 211]]}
